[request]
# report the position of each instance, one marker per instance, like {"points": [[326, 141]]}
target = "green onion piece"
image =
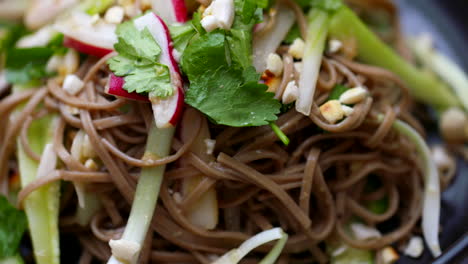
{"points": [[280, 133], [318, 22], [276, 251], [234, 256], [445, 68], [346, 25], [127, 249], [12, 260], [42, 205], [431, 206]]}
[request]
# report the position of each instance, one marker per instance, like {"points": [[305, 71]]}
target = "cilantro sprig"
{"points": [[137, 62], [26, 65], [223, 83], [13, 223]]}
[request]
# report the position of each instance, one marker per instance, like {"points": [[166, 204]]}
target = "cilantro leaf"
{"points": [[292, 35], [242, 104], [337, 91], [181, 35], [239, 38], [135, 43], [12, 226], [137, 62], [121, 65], [222, 88], [153, 79], [27, 64]]}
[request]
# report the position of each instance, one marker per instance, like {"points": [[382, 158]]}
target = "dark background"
{"points": [[447, 21]]}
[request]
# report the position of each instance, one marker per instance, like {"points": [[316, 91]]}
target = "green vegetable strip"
{"points": [[431, 204], [446, 69], [93, 7], [280, 133], [146, 196], [12, 260], [42, 205], [13, 224], [345, 25], [315, 45], [276, 251]]}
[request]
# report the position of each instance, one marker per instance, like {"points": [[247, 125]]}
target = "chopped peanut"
{"points": [[297, 48], [275, 64], [332, 111], [353, 95], [290, 93], [387, 255]]}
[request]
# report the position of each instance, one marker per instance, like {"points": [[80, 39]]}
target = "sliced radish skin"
{"points": [[85, 48], [115, 87], [86, 35], [173, 11], [167, 111]]}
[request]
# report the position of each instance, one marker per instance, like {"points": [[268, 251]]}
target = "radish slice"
{"points": [[167, 111], [85, 48], [86, 35], [268, 42], [173, 11], [115, 87]]}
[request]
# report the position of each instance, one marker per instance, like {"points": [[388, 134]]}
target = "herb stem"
{"points": [[280, 133]]}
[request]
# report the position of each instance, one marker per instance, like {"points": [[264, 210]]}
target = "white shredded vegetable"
{"points": [[431, 204], [236, 255]]}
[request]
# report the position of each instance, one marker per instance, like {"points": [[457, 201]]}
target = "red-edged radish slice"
{"points": [[172, 11], [166, 111], [115, 87], [85, 48], [86, 35]]}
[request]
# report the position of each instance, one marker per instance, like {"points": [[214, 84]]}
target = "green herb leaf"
{"points": [[9, 34], [196, 23], [228, 93], [121, 65], [239, 38], [292, 35], [24, 65], [136, 44], [12, 226], [336, 92], [138, 62], [223, 95], [153, 79], [181, 35], [378, 206]]}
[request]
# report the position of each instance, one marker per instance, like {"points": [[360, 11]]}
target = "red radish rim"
{"points": [[118, 91], [180, 107], [180, 10], [170, 44], [86, 48]]}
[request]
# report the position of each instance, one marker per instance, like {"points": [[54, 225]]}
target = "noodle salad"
{"points": [[223, 131]]}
